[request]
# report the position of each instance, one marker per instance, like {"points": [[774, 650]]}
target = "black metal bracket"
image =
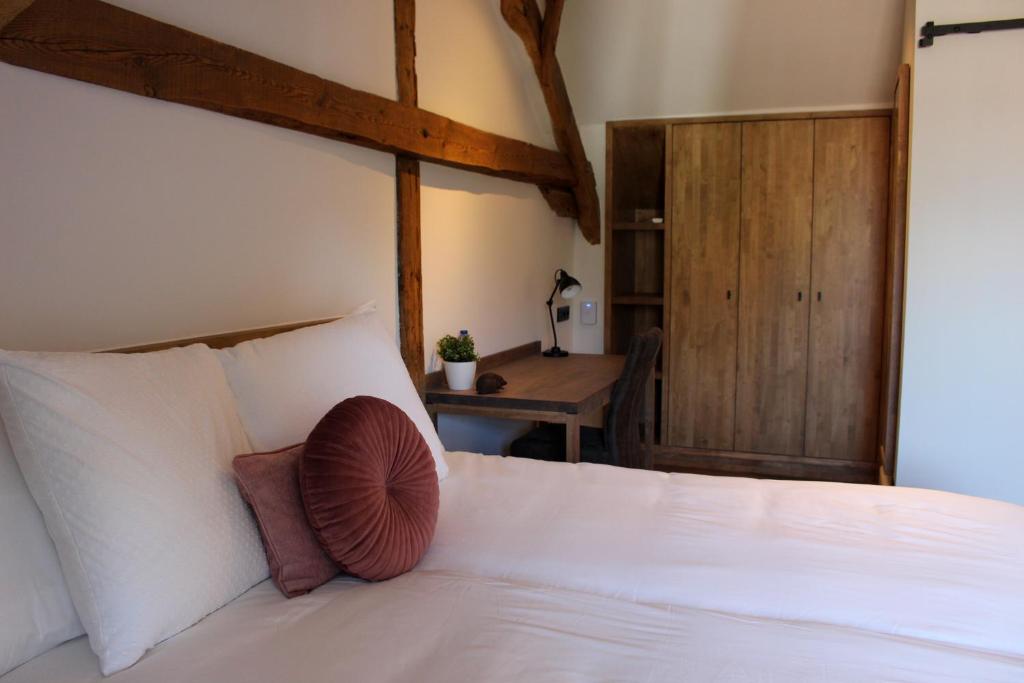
{"points": [[929, 32]]}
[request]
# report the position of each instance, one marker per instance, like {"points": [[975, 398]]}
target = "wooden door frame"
{"points": [[895, 279]]}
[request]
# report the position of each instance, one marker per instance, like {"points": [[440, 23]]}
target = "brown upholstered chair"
{"points": [[621, 441]]}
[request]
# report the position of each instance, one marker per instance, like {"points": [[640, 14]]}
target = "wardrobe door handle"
{"points": [[799, 296], [819, 296], [728, 294]]}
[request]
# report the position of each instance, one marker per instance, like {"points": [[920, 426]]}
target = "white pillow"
{"points": [[284, 384], [35, 606], [129, 459]]}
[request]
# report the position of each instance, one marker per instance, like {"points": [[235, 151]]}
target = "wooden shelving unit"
{"points": [[638, 300], [639, 225], [635, 167]]}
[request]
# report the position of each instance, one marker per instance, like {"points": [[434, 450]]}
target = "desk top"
{"points": [[575, 384]]}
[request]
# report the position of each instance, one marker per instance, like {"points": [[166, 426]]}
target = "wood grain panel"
{"points": [[851, 175], [896, 255], [705, 243], [575, 384], [775, 265]]}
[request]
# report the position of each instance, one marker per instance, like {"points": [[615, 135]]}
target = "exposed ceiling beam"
{"points": [[524, 17], [98, 43]]}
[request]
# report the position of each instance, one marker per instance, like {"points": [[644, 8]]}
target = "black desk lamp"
{"points": [[568, 287]]}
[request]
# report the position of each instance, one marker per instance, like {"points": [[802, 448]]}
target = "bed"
{"points": [[546, 571], [553, 572]]}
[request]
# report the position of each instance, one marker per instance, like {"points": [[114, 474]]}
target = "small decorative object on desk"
{"points": [[459, 356], [490, 383]]}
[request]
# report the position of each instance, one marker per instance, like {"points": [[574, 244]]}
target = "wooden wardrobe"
{"points": [[773, 236]]}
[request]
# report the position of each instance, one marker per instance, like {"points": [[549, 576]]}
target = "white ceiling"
{"points": [[650, 58]]}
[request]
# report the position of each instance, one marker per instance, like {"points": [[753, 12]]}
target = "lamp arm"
{"points": [[551, 315], [551, 299]]}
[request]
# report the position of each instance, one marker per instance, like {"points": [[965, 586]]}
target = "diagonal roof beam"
{"points": [[539, 38], [549, 31]]}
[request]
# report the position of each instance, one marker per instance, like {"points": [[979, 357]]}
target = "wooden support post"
{"points": [[99, 43], [539, 38], [407, 182]]}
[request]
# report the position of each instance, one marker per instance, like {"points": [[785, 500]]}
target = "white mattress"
{"points": [[552, 572]]}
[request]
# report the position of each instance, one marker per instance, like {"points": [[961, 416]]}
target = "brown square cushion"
{"points": [[269, 482], [370, 488]]}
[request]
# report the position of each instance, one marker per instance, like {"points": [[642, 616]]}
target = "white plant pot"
{"points": [[460, 375]]}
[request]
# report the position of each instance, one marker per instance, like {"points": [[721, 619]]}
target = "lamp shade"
{"points": [[568, 286]]}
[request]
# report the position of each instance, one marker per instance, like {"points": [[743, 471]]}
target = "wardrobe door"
{"points": [[704, 282], [775, 274], [851, 173]]}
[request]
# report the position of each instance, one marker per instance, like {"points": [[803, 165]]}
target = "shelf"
{"points": [[645, 225], [639, 299]]}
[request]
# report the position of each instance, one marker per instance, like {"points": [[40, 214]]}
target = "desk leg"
{"points": [[572, 439], [432, 412]]}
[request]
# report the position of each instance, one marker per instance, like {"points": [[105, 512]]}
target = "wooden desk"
{"points": [[541, 389]]}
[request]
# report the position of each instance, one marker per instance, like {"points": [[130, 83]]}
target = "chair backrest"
{"points": [[626, 412]]}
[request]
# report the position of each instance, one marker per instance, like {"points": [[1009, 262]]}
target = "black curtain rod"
{"points": [[929, 32]]}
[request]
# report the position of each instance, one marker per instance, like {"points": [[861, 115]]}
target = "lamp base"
{"points": [[555, 352]]}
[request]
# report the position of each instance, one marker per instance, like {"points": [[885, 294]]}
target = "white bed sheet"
{"points": [[549, 572], [437, 627]]}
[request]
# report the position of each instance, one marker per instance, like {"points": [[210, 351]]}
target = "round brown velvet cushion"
{"points": [[369, 486]]}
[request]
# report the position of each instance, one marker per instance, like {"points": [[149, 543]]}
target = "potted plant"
{"points": [[459, 356]]}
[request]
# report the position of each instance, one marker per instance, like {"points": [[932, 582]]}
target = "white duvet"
{"points": [[929, 565], [553, 572]]}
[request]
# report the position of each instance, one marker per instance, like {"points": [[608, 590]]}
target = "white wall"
{"points": [[126, 220], [129, 220], [963, 369], [677, 57], [666, 58]]}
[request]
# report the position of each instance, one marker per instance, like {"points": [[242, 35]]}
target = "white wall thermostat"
{"points": [[588, 312]]}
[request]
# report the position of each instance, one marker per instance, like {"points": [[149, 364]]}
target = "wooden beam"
{"points": [[524, 17], [98, 43], [10, 9], [549, 32], [407, 191], [410, 269], [562, 202], [405, 52]]}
